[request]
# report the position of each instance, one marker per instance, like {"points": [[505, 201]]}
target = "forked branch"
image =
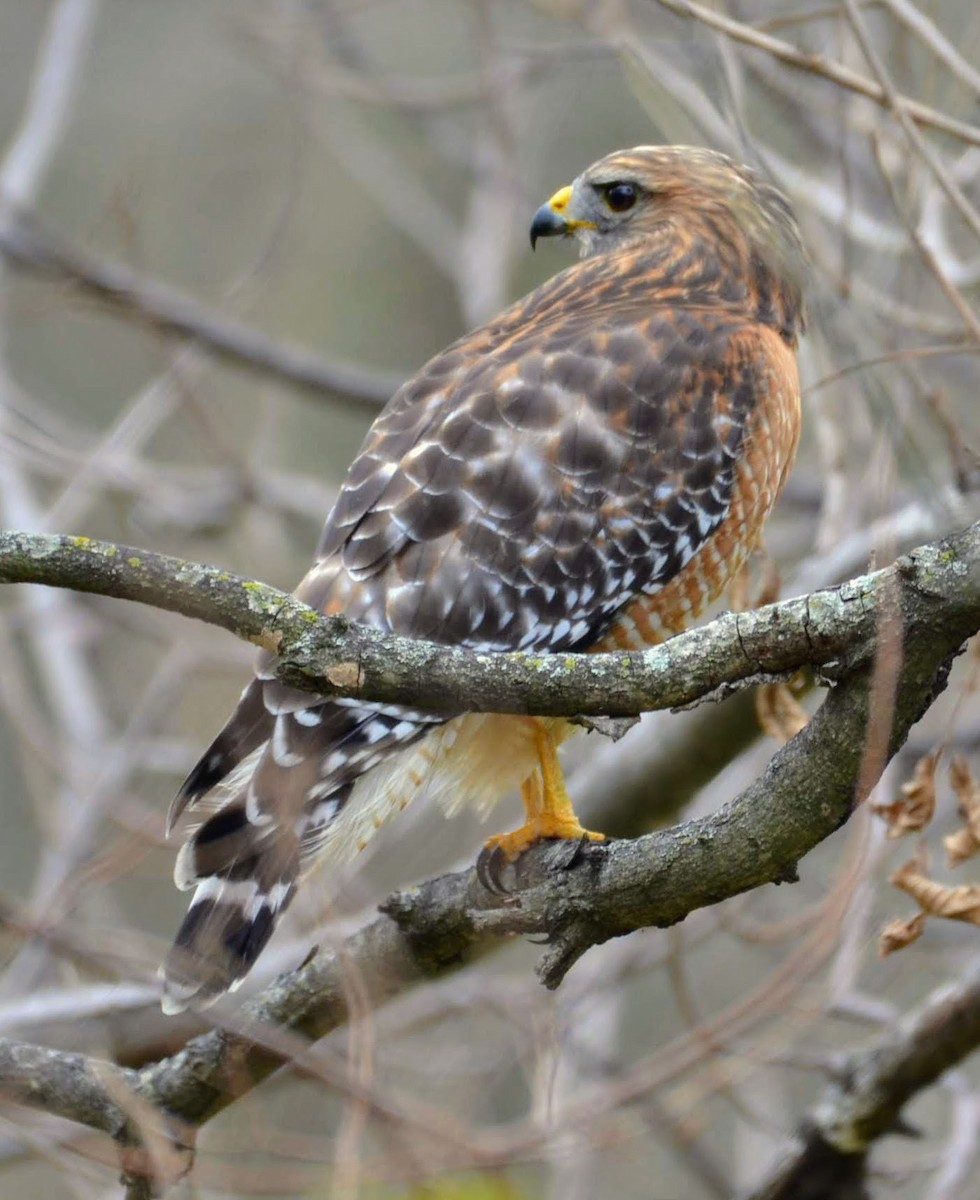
{"points": [[886, 641]]}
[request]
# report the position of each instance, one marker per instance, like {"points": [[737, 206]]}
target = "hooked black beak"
{"points": [[547, 223]]}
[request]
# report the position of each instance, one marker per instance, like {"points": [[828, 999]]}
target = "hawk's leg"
{"points": [[547, 809]]}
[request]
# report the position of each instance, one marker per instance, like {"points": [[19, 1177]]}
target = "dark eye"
{"points": [[620, 196]]}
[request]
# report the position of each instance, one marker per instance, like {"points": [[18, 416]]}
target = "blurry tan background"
{"points": [[354, 178]]}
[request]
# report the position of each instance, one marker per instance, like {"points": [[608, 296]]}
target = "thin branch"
{"points": [[870, 1089], [949, 290], [816, 64], [26, 245], [75, 713], [932, 36], [899, 110]]}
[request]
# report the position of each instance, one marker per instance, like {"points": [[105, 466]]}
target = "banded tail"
{"points": [[271, 788]]}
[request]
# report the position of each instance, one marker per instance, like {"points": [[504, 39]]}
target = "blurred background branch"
{"points": [[123, 290], [870, 1088]]}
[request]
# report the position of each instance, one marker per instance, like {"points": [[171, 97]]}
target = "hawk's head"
{"points": [[633, 192], [698, 206]]}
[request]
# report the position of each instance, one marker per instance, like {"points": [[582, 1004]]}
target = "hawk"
{"points": [[587, 471]]}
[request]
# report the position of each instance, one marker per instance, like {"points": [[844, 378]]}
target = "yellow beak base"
{"points": [[550, 219]]}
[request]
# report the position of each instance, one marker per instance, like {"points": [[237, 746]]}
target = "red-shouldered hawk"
{"points": [[585, 472]]}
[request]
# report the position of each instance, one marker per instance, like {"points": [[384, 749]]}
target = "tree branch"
{"points": [[832, 631], [817, 64], [64, 1084], [914, 616], [870, 1089], [607, 891], [30, 248]]}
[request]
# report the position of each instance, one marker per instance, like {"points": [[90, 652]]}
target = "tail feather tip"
{"points": [[223, 933]]}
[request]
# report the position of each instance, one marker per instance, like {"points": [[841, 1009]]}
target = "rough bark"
{"points": [[885, 641]]}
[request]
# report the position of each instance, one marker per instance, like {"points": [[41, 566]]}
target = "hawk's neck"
{"points": [[700, 266]]}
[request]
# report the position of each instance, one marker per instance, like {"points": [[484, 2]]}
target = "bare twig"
{"points": [[895, 104], [871, 1088], [26, 245], [816, 64], [932, 36], [73, 697]]}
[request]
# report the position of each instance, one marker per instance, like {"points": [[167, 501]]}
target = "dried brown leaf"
{"points": [[914, 808], [937, 899], [965, 843], [778, 711], [960, 846], [966, 788], [901, 932]]}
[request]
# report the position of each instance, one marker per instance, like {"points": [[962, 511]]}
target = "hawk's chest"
{"points": [[766, 454]]}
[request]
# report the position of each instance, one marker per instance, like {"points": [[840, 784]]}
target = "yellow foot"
{"points": [[538, 829]]}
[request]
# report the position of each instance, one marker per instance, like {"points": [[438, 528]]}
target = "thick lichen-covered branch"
{"points": [[886, 640], [826, 630], [66, 1085], [578, 901]]}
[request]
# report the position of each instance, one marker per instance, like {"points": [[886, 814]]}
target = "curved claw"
{"points": [[574, 854], [489, 863], [544, 940]]}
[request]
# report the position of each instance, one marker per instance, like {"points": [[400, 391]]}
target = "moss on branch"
{"points": [[828, 630]]}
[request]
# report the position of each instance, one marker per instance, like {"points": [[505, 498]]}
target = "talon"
{"points": [[541, 828], [548, 812], [577, 851], [489, 863]]}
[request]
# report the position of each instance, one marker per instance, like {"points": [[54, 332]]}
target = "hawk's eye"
{"points": [[620, 196]]}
